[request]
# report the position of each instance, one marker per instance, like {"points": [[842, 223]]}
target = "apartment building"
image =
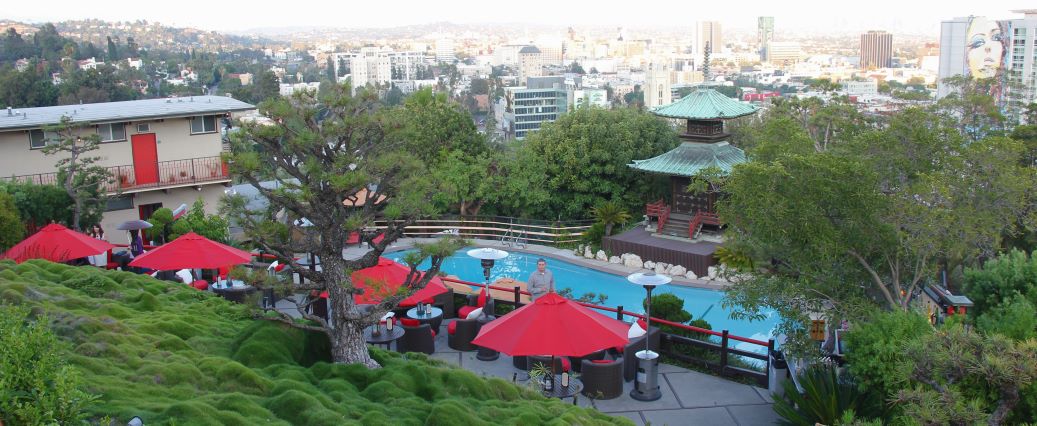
{"points": [[160, 152]]}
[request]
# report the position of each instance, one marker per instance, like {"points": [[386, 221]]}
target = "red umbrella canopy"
{"points": [[385, 279], [553, 325], [191, 251], [57, 243]]}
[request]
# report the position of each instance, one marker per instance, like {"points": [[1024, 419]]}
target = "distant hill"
{"points": [[150, 35]]}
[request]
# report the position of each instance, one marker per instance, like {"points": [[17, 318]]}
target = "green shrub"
{"points": [[36, 385], [825, 398], [594, 234], [877, 349], [12, 229]]}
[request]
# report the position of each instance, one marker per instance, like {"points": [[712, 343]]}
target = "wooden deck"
{"points": [[696, 256]]}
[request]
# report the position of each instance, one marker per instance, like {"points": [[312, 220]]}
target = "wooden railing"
{"points": [[660, 210], [721, 366], [497, 228], [701, 218], [169, 173]]}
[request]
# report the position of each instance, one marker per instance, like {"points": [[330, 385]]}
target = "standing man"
{"points": [[541, 281]]}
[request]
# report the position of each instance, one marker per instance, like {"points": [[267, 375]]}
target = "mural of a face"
{"points": [[984, 47]]}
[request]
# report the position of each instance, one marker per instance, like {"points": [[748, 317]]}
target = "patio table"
{"points": [[386, 337]]}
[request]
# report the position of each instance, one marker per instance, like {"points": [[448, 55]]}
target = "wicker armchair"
{"points": [[445, 302], [578, 360], [417, 339], [560, 364], [631, 349], [602, 380], [460, 334]]}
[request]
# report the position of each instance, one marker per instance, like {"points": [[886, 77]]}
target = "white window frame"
{"points": [[109, 136], [204, 130], [49, 138]]}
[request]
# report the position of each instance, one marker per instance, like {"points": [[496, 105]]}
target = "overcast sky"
{"points": [[918, 17]]}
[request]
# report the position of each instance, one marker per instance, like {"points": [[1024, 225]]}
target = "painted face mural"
{"points": [[985, 47]]}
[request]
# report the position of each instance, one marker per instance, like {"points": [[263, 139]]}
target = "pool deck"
{"points": [[688, 397]]}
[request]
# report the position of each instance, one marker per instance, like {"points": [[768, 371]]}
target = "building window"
{"points": [[203, 124], [39, 139], [112, 132], [124, 202]]}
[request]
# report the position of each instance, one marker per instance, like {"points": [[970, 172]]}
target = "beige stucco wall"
{"points": [[176, 196], [175, 142]]}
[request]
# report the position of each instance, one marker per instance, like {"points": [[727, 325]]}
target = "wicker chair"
{"points": [[417, 339], [460, 334], [578, 360], [520, 362], [602, 380], [445, 302], [631, 349]]}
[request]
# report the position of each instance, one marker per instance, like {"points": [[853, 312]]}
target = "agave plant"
{"points": [[610, 213], [824, 400]]}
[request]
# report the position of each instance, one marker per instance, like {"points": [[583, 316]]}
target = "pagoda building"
{"points": [[704, 147]]}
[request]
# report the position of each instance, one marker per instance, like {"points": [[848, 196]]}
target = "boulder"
{"points": [[579, 250], [601, 256], [691, 275], [633, 261], [649, 265], [660, 268], [616, 260], [587, 252], [678, 271], [712, 272]]}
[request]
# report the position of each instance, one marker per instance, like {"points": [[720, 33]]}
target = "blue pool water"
{"points": [[701, 303]]}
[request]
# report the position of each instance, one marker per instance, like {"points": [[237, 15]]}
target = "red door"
{"points": [[145, 158]]}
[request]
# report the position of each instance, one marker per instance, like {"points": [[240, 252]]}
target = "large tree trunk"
{"points": [[346, 320], [348, 345]]}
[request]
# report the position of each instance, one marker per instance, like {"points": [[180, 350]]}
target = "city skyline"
{"points": [[790, 17]]}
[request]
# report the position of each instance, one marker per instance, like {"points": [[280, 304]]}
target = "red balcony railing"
{"points": [[169, 173]]}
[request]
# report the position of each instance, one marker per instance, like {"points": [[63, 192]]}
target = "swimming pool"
{"points": [[701, 303]]}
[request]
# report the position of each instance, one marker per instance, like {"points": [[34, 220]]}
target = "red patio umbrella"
{"points": [[57, 243], [553, 325], [385, 279], [191, 251]]}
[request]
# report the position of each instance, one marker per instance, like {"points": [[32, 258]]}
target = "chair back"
{"points": [[416, 339]]}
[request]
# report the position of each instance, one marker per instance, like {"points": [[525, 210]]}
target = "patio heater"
{"points": [[646, 387], [487, 257]]}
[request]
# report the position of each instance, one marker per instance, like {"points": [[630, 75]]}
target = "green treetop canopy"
{"points": [[705, 104], [690, 158]]}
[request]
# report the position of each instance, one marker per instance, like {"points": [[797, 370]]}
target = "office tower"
{"points": [[657, 83], [764, 34], [876, 50], [709, 32]]}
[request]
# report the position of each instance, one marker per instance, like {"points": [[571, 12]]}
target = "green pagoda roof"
{"points": [[705, 104], [690, 158]]}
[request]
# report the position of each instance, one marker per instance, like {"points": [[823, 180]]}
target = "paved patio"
{"points": [[689, 397]]}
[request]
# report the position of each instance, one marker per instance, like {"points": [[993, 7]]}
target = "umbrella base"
{"points": [[486, 354]]}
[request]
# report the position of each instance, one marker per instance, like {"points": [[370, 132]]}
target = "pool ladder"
{"points": [[515, 238]]}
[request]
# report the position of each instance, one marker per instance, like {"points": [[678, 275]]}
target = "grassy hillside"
{"points": [[173, 355]]}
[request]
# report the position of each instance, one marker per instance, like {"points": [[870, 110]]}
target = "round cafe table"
{"points": [[575, 386], [386, 337], [433, 319]]}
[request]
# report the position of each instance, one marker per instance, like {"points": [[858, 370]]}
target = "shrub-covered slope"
{"points": [[173, 355]]}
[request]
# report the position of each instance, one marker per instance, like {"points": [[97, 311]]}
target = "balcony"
{"points": [[165, 174]]}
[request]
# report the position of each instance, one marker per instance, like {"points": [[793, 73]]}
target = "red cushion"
{"points": [[643, 324], [354, 238], [280, 267], [619, 348], [566, 365], [481, 300], [451, 328], [433, 333], [602, 361], [410, 322], [200, 284], [465, 310]]}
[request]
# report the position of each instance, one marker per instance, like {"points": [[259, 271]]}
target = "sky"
{"points": [[792, 16]]}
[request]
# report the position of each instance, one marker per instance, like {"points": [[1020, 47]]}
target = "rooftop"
{"points": [[690, 158], [529, 49], [705, 104], [28, 118]]}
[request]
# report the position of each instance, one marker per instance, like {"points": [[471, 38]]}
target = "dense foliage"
{"points": [[12, 230], [581, 161], [211, 226], [39, 205], [173, 355], [825, 398]]}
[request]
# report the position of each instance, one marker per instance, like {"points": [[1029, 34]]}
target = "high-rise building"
{"points": [[530, 63], [876, 49], [764, 34], [541, 101], [709, 32], [784, 52], [657, 83], [445, 51], [1003, 50]]}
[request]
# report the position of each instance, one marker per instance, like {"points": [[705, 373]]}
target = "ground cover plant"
{"points": [[174, 355]]}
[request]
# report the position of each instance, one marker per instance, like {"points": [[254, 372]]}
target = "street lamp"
{"points": [[487, 256], [646, 388]]}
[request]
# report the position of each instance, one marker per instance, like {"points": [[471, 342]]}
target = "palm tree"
{"points": [[610, 213]]}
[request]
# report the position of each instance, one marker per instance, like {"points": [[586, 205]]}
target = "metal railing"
{"points": [[166, 173], [721, 366], [499, 228]]}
